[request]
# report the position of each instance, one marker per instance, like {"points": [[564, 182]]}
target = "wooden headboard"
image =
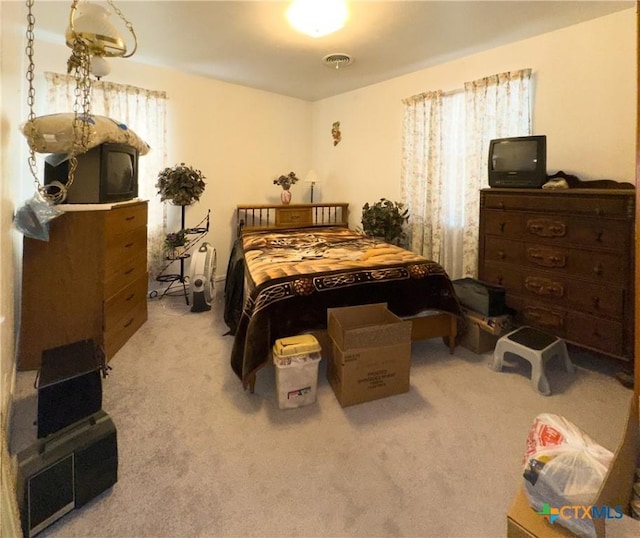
{"points": [[268, 217]]}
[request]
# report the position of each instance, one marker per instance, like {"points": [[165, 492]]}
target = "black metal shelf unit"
{"points": [[194, 236]]}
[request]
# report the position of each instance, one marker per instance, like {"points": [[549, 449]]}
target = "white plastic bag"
{"points": [[564, 467]]}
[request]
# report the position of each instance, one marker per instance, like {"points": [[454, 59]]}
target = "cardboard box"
{"points": [[483, 332], [371, 356], [616, 491]]}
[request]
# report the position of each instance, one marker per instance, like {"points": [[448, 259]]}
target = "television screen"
{"points": [[518, 162], [515, 156], [120, 172]]}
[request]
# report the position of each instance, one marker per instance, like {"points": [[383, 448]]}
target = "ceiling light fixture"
{"points": [[317, 18], [90, 24]]}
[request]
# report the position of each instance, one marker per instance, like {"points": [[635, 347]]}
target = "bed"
{"points": [[296, 261]]}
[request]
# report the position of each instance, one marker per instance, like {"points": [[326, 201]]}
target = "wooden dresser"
{"points": [[88, 281], [566, 259]]}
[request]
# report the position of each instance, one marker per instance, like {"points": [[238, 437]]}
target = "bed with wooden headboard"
{"points": [[298, 260]]}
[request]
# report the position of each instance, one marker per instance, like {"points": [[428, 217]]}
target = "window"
{"points": [[444, 163]]}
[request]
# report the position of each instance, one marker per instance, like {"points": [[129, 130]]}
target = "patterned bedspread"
{"points": [[293, 276]]}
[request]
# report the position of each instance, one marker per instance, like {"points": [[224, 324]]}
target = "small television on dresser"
{"points": [[106, 173], [518, 162]]}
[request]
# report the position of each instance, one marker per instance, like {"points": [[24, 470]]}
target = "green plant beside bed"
{"points": [[385, 219]]}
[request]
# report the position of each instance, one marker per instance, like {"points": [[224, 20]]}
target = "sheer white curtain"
{"points": [[144, 111], [444, 162], [497, 106], [421, 172]]}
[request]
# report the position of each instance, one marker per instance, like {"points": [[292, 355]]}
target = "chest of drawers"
{"points": [[88, 281], [566, 261]]}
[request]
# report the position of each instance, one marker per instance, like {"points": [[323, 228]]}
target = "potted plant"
{"points": [[385, 219], [181, 184], [174, 243], [285, 182]]}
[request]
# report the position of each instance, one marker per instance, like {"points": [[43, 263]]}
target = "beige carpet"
{"points": [[200, 457]]}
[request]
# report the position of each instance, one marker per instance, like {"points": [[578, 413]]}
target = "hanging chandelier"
{"points": [[317, 18], [89, 25]]}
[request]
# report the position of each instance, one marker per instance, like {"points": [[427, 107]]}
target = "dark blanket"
{"points": [[294, 276]]}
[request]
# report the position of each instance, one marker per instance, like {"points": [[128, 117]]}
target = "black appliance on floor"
{"points": [[76, 455]]}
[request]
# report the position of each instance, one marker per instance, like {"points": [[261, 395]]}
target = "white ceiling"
{"points": [[250, 43]]}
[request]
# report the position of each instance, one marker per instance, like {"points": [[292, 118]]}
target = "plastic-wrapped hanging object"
{"points": [[32, 219]]}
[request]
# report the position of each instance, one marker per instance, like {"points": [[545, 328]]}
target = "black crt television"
{"points": [[106, 173], [518, 162]]}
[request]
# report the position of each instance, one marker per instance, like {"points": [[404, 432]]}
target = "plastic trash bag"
{"points": [[32, 219], [564, 467]]}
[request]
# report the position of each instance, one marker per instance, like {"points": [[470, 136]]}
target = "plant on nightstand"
{"points": [[385, 219]]}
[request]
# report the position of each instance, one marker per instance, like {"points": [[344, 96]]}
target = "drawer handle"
{"points": [[131, 217], [502, 225], [543, 317], [128, 323], [597, 270], [129, 271], [596, 302], [599, 211], [544, 287], [499, 280], [546, 258], [501, 254], [546, 228], [130, 297], [500, 205], [129, 245]]}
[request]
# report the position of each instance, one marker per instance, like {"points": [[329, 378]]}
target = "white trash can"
{"points": [[296, 360]]}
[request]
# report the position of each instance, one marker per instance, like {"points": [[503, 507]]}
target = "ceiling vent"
{"points": [[337, 60]]}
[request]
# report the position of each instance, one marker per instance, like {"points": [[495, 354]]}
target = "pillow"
{"points": [[53, 133]]}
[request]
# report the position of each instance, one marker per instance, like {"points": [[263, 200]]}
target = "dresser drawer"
{"points": [[583, 232], [294, 216], [559, 289], [597, 266], [125, 218], [119, 305], [497, 249], [502, 275], [598, 333], [565, 202], [123, 247], [124, 274], [505, 224], [116, 337], [587, 297]]}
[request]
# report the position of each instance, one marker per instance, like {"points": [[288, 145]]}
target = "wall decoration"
{"points": [[335, 132]]}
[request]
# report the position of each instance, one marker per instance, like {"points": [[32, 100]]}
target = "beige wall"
{"points": [[584, 101]]}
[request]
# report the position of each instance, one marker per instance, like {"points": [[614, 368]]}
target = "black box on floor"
{"points": [[66, 470], [69, 385], [486, 299]]}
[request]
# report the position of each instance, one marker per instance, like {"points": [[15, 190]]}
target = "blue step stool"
{"points": [[536, 347]]}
